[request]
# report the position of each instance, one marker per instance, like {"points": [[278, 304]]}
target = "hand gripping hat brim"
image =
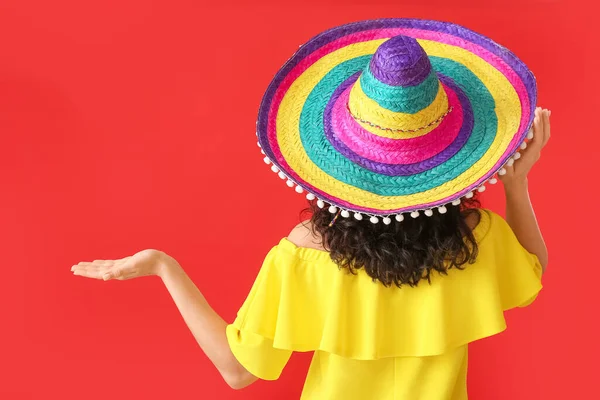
{"points": [[390, 116]]}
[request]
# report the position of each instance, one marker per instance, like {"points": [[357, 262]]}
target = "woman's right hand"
{"points": [[516, 174]]}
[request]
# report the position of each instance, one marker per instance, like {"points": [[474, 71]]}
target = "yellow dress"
{"points": [[376, 342]]}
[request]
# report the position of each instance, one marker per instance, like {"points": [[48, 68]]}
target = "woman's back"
{"points": [[390, 128], [372, 341]]}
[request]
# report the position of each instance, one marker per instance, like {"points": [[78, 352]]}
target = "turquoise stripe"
{"points": [[324, 155], [407, 99]]}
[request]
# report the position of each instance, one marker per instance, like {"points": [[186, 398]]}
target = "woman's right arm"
{"points": [[521, 218], [519, 210]]}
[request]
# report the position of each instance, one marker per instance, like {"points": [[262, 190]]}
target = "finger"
{"points": [[529, 154], [538, 131], [507, 171], [546, 127], [107, 263], [97, 270], [90, 267], [95, 263], [89, 273]]}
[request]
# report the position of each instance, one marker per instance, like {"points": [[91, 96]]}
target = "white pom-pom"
{"points": [[358, 216], [320, 203], [530, 134], [523, 146], [262, 151], [493, 181], [345, 213], [456, 202], [290, 183], [399, 217], [332, 209], [517, 155], [310, 196], [266, 160], [502, 172], [510, 162], [442, 209], [414, 214], [469, 195], [387, 220], [299, 189], [374, 220], [274, 168], [429, 213], [481, 189], [281, 175]]}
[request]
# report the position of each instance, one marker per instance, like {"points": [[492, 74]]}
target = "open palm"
{"points": [[142, 263]]}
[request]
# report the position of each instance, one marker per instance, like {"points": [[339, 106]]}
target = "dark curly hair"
{"points": [[401, 253]]}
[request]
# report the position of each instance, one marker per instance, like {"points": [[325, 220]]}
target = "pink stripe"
{"points": [[493, 60], [396, 151], [362, 36]]}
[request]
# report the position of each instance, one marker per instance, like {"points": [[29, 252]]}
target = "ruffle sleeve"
{"points": [[518, 272], [253, 350], [301, 301]]}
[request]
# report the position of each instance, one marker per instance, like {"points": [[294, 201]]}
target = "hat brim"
{"points": [[495, 92]]}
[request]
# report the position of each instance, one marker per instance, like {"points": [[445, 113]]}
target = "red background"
{"points": [[131, 124]]}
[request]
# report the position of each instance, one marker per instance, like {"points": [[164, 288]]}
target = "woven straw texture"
{"points": [[390, 116]]}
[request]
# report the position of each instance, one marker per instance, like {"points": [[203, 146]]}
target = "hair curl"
{"points": [[401, 253]]}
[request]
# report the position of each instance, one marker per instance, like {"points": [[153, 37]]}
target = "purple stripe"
{"points": [[436, 26], [400, 61], [401, 169]]}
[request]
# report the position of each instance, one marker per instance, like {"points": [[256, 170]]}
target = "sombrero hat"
{"points": [[385, 117]]}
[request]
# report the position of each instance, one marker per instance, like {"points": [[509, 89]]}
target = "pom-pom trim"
{"points": [[399, 217]]}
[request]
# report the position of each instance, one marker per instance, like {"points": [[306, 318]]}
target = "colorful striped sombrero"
{"points": [[391, 116]]}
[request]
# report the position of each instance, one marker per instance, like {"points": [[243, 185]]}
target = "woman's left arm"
{"points": [[208, 328], [205, 324]]}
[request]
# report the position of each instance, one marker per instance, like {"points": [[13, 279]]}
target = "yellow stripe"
{"points": [[288, 134], [367, 109]]}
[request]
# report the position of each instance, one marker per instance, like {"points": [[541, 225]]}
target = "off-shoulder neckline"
{"points": [[308, 253]]}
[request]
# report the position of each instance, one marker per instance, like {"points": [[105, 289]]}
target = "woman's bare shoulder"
{"points": [[472, 219], [302, 236]]}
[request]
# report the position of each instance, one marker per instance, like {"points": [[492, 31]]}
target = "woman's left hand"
{"points": [[144, 263]]}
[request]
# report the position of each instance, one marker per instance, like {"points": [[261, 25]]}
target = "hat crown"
{"points": [[400, 61], [398, 91]]}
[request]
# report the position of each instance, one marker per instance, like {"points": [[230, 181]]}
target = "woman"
{"points": [[391, 127]]}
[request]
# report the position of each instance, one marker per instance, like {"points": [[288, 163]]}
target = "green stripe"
{"points": [[324, 155], [407, 99]]}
